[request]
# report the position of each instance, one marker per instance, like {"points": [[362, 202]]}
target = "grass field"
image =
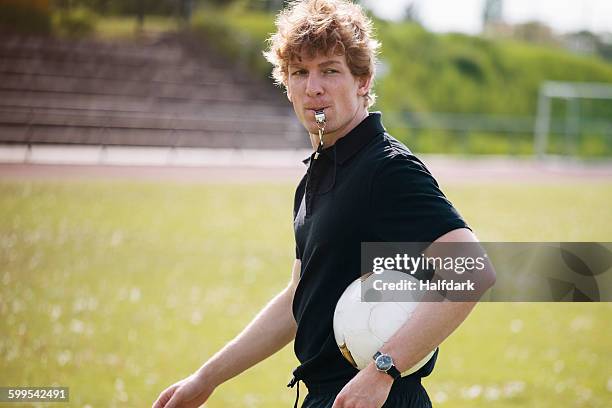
{"points": [[117, 289]]}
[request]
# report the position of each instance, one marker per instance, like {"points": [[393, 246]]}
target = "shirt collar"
{"points": [[347, 146]]}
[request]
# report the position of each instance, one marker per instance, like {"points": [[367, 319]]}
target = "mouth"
{"points": [[315, 109]]}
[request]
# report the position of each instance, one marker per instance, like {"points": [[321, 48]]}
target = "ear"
{"points": [[365, 83]]}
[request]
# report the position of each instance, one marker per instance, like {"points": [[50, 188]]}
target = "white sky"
{"points": [[466, 15]]}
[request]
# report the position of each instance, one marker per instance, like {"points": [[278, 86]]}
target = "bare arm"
{"points": [[272, 328], [430, 325], [433, 322]]}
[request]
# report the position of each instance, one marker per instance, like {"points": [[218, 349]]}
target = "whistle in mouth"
{"points": [[320, 116]]}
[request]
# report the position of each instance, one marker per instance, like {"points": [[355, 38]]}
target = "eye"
{"points": [[330, 71], [298, 72]]}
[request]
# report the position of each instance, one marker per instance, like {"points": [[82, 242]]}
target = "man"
{"points": [[361, 185]]}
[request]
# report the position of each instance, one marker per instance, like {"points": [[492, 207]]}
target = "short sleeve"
{"points": [[407, 203]]}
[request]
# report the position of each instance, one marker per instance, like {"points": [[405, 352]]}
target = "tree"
{"points": [[535, 32], [492, 12], [411, 14]]}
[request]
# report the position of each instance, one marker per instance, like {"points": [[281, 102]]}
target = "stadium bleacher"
{"points": [[170, 92]]}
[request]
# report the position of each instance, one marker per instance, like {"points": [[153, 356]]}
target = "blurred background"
{"points": [[148, 164], [495, 77]]}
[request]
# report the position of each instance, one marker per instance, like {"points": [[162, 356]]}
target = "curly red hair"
{"points": [[333, 27]]}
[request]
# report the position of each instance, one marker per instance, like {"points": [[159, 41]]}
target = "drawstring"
{"points": [[290, 385]]}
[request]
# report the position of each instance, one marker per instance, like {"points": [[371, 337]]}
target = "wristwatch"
{"points": [[384, 363]]}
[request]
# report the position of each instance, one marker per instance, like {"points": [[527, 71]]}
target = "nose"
{"points": [[314, 85]]}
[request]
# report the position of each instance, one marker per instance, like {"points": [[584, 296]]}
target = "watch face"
{"points": [[384, 362]]}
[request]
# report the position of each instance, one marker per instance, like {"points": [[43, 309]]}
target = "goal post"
{"points": [[571, 92]]}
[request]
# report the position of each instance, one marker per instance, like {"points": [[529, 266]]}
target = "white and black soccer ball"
{"points": [[361, 328]]}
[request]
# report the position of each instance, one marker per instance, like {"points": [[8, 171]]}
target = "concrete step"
{"points": [[269, 125], [187, 72], [87, 50], [70, 100], [171, 93], [85, 135], [172, 52], [200, 114], [95, 86], [190, 72]]}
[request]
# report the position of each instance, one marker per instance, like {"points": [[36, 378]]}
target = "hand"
{"points": [[368, 389], [190, 392]]}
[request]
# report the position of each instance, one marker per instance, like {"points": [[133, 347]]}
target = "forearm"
{"points": [[429, 326], [434, 320], [272, 329]]}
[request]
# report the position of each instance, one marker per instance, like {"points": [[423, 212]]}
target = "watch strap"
{"points": [[394, 372]]}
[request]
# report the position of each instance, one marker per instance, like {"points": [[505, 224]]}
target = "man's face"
{"points": [[325, 82]]}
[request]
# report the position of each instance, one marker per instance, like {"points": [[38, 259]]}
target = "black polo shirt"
{"points": [[367, 187]]}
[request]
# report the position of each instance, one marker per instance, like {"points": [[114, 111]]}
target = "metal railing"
{"points": [[565, 132]]}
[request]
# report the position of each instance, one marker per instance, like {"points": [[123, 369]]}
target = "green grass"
{"points": [[117, 289], [127, 27]]}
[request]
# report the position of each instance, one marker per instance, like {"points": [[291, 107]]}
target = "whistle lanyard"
{"points": [[320, 119]]}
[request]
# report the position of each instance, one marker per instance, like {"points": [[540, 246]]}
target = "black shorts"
{"points": [[406, 392]]}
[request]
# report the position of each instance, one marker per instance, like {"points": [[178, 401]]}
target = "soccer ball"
{"points": [[361, 328]]}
